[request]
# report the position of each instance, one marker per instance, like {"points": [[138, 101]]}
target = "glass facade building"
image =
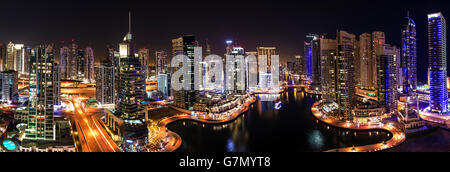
{"points": [[437, 57]]}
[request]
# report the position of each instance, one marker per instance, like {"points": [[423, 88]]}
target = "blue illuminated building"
{"points": [[409, 57], [386, 72], [437, 62], [308, 59]]}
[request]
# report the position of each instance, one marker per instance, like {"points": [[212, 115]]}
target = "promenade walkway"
{"points": [[398, 136], [175, 139]]}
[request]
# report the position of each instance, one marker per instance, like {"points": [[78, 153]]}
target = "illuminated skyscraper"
{"points": [[437, 60], [328, 56], [162, 62], [41, 125], [81, 64], [235, 74], [409, 58], [8, 87], [69, 61], [378, 41], [132, 82], [144, 57], [56, 84], [164, 83], [314, 42], [10, 61], [105, 83], [72, 62], [90, 64], [269, 52], [308, 59], [367, 61], [229, 47], [387, 78], [345, 84], [64, 61], [20, 61], [185, 46], [2, 56]]}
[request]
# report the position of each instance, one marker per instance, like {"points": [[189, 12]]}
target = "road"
{"points": [[93, 137]]}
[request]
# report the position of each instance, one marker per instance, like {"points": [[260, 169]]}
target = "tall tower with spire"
{"points": [[131, 82], [409, 62]]}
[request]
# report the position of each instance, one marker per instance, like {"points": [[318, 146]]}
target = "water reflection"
{"points": [[263, 129]]}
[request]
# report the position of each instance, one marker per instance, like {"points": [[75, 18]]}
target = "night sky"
{"points": [[279, 23]]}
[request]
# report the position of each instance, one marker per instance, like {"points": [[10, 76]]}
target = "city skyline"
{"points": [[356, 87], [282, 28]]}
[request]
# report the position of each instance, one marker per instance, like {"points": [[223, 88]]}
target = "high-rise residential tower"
{"points": [[10, 61], [315, 61], [8, 86], [41, 125], [345, 83], [185, 46], [409, 58], [378, 42], [161, 62], [90, 64], [144, 57], [387, 78], [328, 54], [269, 52], [437, 61], [105, 83], [367, 61]]}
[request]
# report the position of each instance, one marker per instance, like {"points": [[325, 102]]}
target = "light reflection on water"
{"points": [[263, 129]]}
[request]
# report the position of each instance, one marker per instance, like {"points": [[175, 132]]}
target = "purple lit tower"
{"points": [[437, 63]]}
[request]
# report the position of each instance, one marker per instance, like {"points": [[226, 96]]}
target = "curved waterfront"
{"points": [[264, 129]]}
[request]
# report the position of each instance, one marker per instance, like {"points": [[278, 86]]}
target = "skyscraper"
{"points": [[307, 48], [235, 74], [437, 60], [387, 78], [41, 124], [20, 62], [161, 62], [8, 81], [269, 52], [132, 82], [72, 63], [144, 57], [163, 84], [90, 64], [409, 58], [56, 84], [81, 64], [69, 61], [105, 83], [185, 46], [64, 62], [345, 84], [10, 61], [315, 61], [328, 54], [2, 56], [378, 41], [367, 61]]}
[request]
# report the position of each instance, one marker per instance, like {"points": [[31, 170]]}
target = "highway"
{"points": [[93, 137]]}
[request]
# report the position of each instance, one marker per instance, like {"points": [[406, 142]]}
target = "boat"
{"points": [[277, 105]]}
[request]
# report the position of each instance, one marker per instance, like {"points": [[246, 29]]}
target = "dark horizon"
{"points": [[283, 24]]}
